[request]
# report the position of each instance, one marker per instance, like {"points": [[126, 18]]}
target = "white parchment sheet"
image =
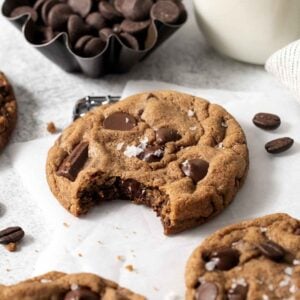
{"points": [[117, 234]]}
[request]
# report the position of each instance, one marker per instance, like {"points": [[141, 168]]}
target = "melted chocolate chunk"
{"points": [[195, 168], [272, 250], [238, 293], [73, 163], [120, 121], [152, 154], [165, 135], [226, 258], [207, 291]]}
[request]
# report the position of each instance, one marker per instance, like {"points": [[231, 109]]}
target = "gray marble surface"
{"points": [[46, 93]]}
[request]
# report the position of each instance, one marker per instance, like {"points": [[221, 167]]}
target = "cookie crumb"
{"points": [[120, 258], [11, 247], [66, 224], [51, 128], [80, 254], [8, 270], [129, 268]]}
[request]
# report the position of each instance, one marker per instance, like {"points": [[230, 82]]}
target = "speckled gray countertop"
{"points": [[46, 93]]}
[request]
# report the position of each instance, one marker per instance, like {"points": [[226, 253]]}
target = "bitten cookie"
{"points": [[61, 286], [255, 260], [8, 110], [176, 153]]}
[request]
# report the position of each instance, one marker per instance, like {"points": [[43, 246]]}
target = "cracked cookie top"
{"points": [[61, 286], [8, 110], [179, 154], [257, 259]]}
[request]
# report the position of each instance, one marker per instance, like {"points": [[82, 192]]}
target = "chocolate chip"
{"points": [[105, 33], [279, 145], [80, 44], [195, 168], [120, 121], [82, 294], [48, 33], [129, 40], [76, 28], [272, 250], [226, 258], [152, 154], [82, 7], [96, 20], [73, 163], [135, 10], [59, 15], [93, 47], [266, 121], [207, 291], [38, 5], [22, 10], [165, 135], [131, 189], [166, 11], [238, 293], [11, 235], [108, 11], [134, 27]]}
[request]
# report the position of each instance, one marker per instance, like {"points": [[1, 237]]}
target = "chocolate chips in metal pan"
{"points": [[121, 33]]}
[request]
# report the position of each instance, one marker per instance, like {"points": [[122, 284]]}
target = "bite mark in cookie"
{"points": [[142, 150]]}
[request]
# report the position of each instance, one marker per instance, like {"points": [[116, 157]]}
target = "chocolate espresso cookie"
{"points": [[176, 153], [61, 286], [257, 259], [8, 110]]}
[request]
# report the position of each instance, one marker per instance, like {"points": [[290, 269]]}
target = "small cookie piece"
{"points": [[57, 285], [159, 149], [8, 110], [255, 259]]}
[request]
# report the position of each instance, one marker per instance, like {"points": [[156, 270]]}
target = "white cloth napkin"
{"points": [[284, 64], [117, 234]]}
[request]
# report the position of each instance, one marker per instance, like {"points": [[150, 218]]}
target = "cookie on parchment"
{"points": [[61, 286], [8, 110], [253, 260], [176, 153]]}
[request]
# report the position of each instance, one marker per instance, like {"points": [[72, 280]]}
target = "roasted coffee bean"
{"points": [[279, 145], [266, 121], [152, 154], [73, 163], [207, 291], [46, 9], [272, 250], [134, 27], [76, 28], [165, 135], [195, 168], [80, 44], [22, 10], [93, 47], [105, 33], [120, 121], [81, 294], [226, 258], [59, 15], [166, 11], [135, 10], [130, 41], [238, 293], [96, 20], [11, 235], [82, 7], [108, 11]]}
